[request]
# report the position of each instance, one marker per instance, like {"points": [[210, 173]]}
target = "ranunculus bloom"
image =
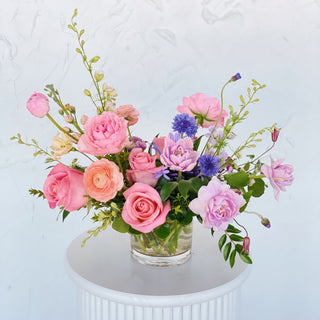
{"points": [[204, 109], [38, 105], [61, 145], [129, 113], [179, 155], [279, 175], [104, 134], [103, 180], [143, 209], [143, 167], [217, 204], [158, 143], [64, 187]]}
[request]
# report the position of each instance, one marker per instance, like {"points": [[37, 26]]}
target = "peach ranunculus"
{"points": [[61, 145], [64, 187], [129, 113], [103, 180], [143, 167], [104, 134], [38, 105], [143, 209], [204, 109]]}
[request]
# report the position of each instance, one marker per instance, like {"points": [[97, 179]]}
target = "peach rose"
{"points": [[104, 134], [129, 113], [143, 167], [38, 105], [64, 187], [103, 180], [143, 209]]}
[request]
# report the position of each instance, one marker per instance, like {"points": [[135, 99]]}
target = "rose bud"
{"points": [[38, 105], [275, 134]]}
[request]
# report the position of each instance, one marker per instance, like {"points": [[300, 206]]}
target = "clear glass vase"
{"points": [[175, 249]]}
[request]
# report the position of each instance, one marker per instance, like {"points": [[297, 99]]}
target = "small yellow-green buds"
{"points": [[70, 108]]}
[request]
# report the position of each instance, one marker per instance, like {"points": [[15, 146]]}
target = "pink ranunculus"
{"points": [[103, 180], [64, 187], [279, 175], [129, 113], [38, 105], [143, 209], [104, 134], [204, 109], [217, 204], [158, 143], [179, 155], [143, 167]]}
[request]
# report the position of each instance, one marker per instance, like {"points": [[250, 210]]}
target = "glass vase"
{"points": [[154, 250]]}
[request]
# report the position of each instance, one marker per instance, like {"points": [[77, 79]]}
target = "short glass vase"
{"points": [[175, 249]]}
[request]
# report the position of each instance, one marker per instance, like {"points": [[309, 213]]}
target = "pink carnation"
{"points": [[38, 105], [129, 113], [217, 204], [104, 134], [143, 209], [64, 187], [279, 175], [179, 155], [204, 109], [143, 167]]}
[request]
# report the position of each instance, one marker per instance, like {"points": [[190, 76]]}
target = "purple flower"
{"points": [[137, 143], [236, 77], [209, 165], [183, 123], [162, 173]]}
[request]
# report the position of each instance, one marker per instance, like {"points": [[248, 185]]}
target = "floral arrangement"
{"points": [[153, 189]]}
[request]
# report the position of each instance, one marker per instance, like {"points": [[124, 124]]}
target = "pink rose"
{"points": [[104, 134], [179, 155], [129, 113], [279, 175], [143, 209], [103, 180], [143, 167], [204, 109], [64, 187], [158, 145], [38, 105], [217, 204]]}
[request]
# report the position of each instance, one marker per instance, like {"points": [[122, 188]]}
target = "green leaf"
{"points": [[186, 217], [65, 214], [199, 219], [242, 99], [197, 183], [237, 180], [246, 166], [245, 258], [197, 143], [163, 231], [95, 59], [226, 251], [222, 241], [236, 237], [232, 229], [167, 189], [212, 232], [232, 258], [133, 231], [184, 186], [257, 188], [246, 196], [120, 225], [238, 248]]}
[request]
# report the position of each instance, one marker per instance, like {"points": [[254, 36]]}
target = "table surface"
{"points": [[106, 262]]}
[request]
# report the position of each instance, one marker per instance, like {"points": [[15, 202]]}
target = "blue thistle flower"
{"points": [[183, 123], [209, 165]]}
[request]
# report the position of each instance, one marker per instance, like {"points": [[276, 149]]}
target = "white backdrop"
{"points": [[154, 52]]}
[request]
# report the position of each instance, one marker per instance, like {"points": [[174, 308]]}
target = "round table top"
{"points": [[105, 261]]}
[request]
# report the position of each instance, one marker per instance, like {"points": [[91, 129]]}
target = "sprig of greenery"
{"points": [[36, 192]]}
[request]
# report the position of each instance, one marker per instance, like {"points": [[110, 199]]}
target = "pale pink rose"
{"points": [[143, 167], [179, 155], [279, 175], [217, 204], [143, 209], [103, 180], [64, 187], [38, 105], [129, 113], [104, 134], [204, 109], [158, 145]]}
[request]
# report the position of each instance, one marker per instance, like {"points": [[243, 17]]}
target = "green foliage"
{"points": [[196, 144], [163, 231], [184, 187], [37, 193], [257, 188], [65, 213], [120, 225], [237, 180], [167, 189]]}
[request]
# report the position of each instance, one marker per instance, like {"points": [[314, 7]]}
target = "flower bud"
{"points": [[246, 245], [275, 134], [266, 222], [69, 119], [236, 77], [38, 105], [70, 108], [84, 119]]}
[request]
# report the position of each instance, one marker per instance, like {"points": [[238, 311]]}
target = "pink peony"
{"points": [[204, 109], [143, 209], [143, 167], [38, 105], [104, 134], [179, 155], [129, 113], [217, 204], [279, 175], [103, 180], [64, 187]]}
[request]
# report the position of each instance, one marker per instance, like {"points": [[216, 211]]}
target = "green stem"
{"points": [[179, 175], [60, 128], [161, 242], [140, 242], [119, 162]]}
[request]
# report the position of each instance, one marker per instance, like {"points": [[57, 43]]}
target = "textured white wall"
{"points": [[154, 52]]}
